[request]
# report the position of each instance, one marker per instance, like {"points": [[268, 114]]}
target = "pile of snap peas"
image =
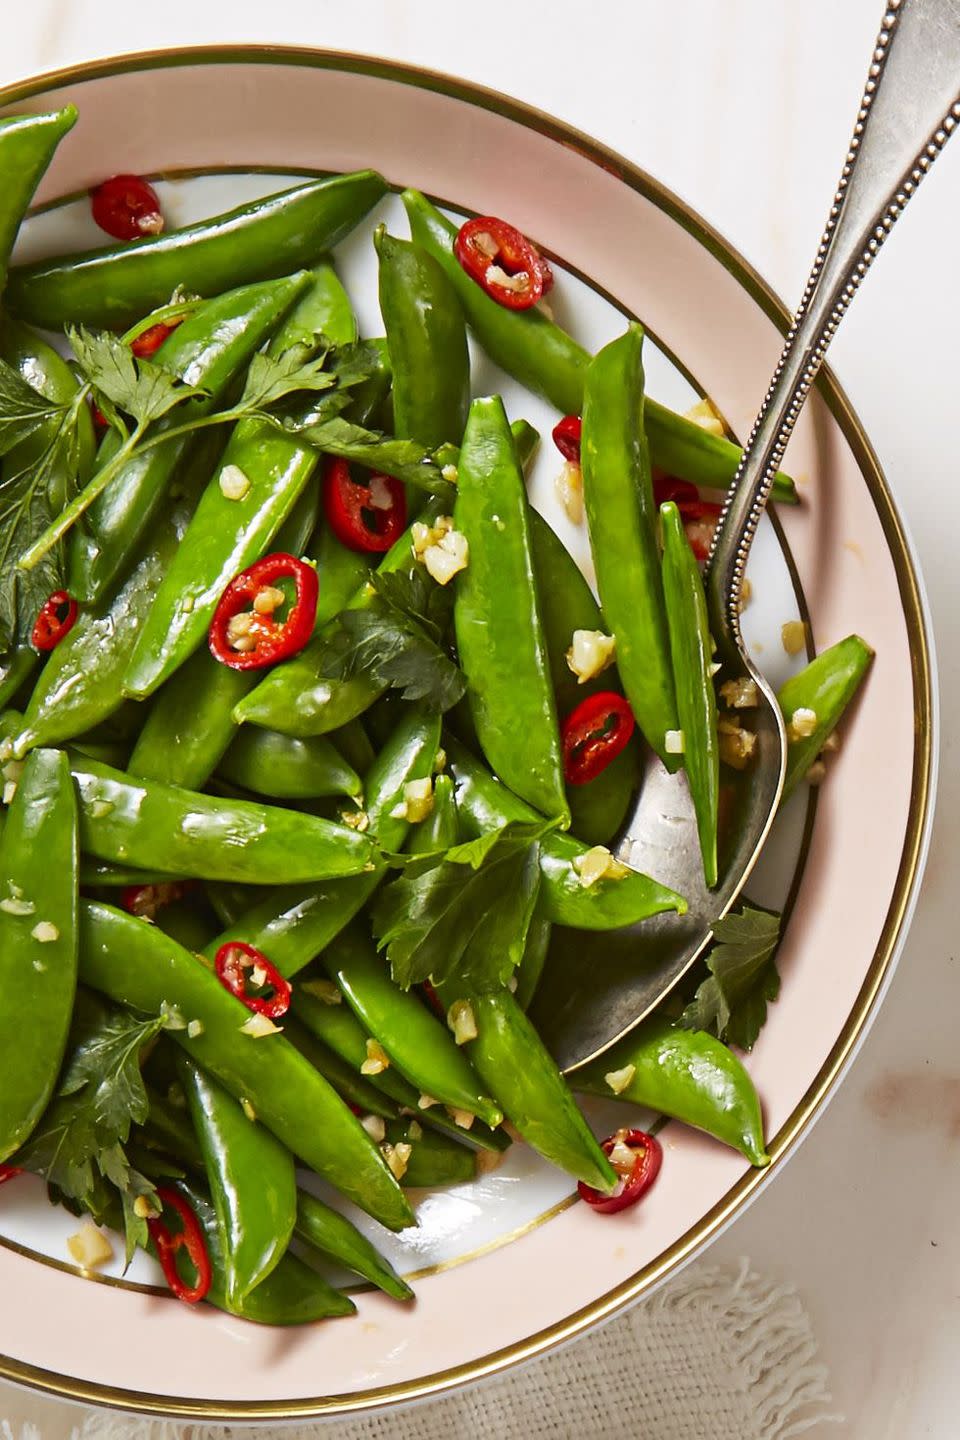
{"points": [[245, 806]]}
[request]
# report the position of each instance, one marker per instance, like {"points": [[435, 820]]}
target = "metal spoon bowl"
{"points": [[910, 107]]}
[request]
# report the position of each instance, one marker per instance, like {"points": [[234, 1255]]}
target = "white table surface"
{"points": [[744, 108]]}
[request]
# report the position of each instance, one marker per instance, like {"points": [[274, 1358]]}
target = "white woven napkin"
{"points": [[717, 1355]]}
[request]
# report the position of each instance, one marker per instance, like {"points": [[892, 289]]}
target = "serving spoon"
{"points": [[593, 992]]}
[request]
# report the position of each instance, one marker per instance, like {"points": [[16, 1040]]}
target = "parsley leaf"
{"points": [[270, 379], [405, 460], [464, 913], [29, 497], [22, 409], [396, 641], [732, 1002], [79, 1141], [138, 387]]}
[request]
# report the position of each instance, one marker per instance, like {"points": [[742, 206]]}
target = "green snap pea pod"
{"points": [[511, 1059], [296, 698], [287, 768], [686, 1074], [439, 830], [189, 726], [38, 941], [228, 533], [229, 902], [116, 284], [420, 1046], [27, 143], [80, 685], [114, 877], [189, 923], [345, 1078], [169, 1128], [295, 533], [427, 340], [211, 348], [17, 667], [826, 686], [434, 1160], [334, 1236], [691, 647], [156, 826], [566, 601], [497, 617], [534, 956], [353, 742], [483, 804], [548, 361], [252, 1180], [621, 516], [371, 396], [135, 964], [292, 1294], [409, 754]]}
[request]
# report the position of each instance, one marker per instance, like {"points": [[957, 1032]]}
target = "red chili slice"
{"points": [[244, 633], [9, 1172], [433, 999], [503, 262], [146, 900], [633, 1183], [566, 437], [699, 516], [235, 964], [594, 733], [367, 516], [57, 617], [148, 342], [189, 1237], [127, 207]]}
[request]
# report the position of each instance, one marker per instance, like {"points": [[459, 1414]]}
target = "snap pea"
{"points": [[227, 534], [427, 341], [621, 516], [686, 1074], [354, 745], [252, 1183], [169, 1128], [483, 804], [210, 349], [80, 685], [691, 648], [409, 754], [346, 1079], [597, 808], [38, 941], [287, 768], [115, 877], [418, 1044], [115, 285], [15, 670], [134, 964], [497, 617], [434, 1159], [826, 686], [292, 1294], [511, 1059], [333, 1235], [27, 144], [439, 830], [531, 347], [189, 921], [156, 826], [535, 949], [188, 726]]}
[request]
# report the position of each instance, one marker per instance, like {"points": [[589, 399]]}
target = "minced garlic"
{"points": [[356, 819], [618, 1080], [325, 990], [793, 635], [596, 864], [740, 694], [89, 1247], [234, 484], [375, 1128], [195, 1029], [417, 802], [377, 1059], [462, 1021], [143, 1209], [15, 906], [463, 1118], [704, 415], [590, 652], [817, 773], [45, 931], [674, 742], [736, 744], [802, 724], [569, 491], [448, 557], [259, 1026], [425, 1102], [247, 1109], [397, 1158]]}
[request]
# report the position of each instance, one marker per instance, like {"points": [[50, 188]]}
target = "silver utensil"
{"points": [[597, 987]]}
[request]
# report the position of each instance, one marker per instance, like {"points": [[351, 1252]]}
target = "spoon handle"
{"points": [[910, 107]]}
